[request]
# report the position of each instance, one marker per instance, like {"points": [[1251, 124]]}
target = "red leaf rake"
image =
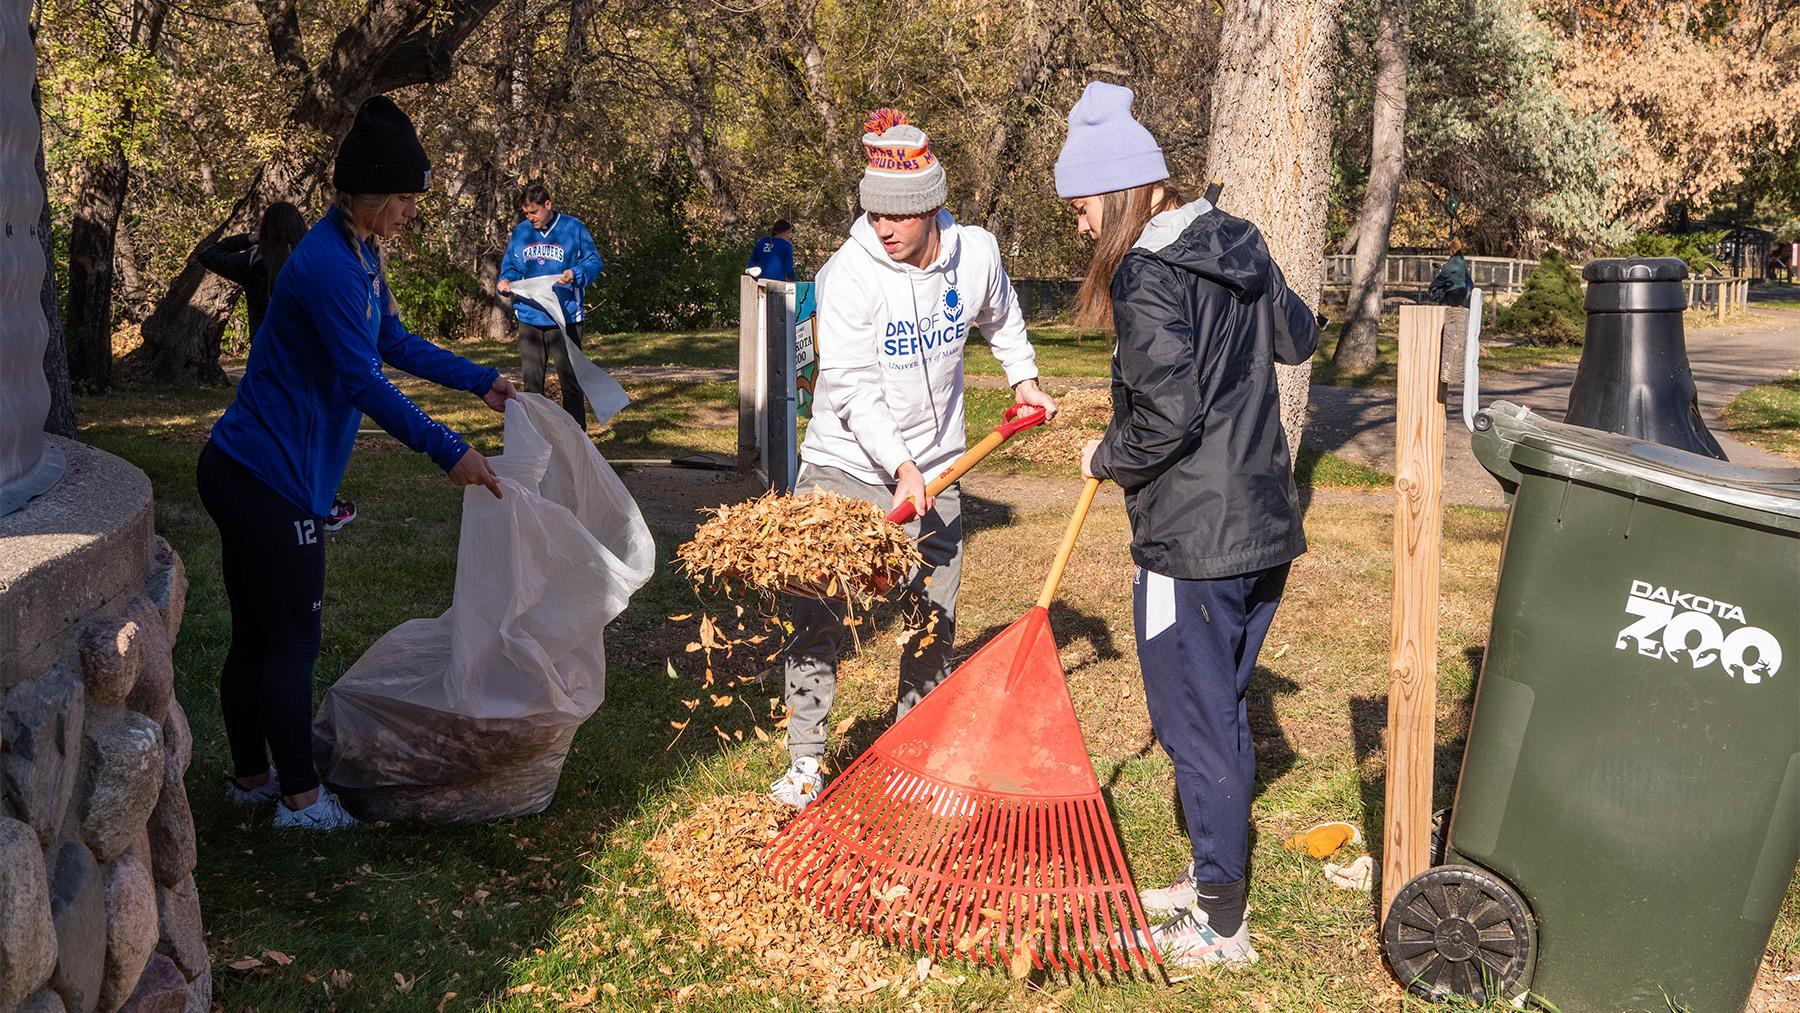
{"points": [[975, 826]]}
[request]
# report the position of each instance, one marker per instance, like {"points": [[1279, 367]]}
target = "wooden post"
{"points": [[1719, 298], [1412, 664], [749, 354]]}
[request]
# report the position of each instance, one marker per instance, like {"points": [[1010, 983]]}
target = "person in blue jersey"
{"points": [[277, 454], [772, 258], [550, 243]]}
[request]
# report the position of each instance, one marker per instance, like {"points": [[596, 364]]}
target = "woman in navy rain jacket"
{"points": [[1202, 315]]}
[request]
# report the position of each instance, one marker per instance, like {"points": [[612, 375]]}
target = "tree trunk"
{"points": [[1270, 142], [88, 321], [695, 144], [1024, 111], [391, 44], [1356, 348], [492, 189], [61, 418], [104, 180]]}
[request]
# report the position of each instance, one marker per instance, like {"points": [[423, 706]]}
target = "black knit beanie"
{"points": [[381, 153]]}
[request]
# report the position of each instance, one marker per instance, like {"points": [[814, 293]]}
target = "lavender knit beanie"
{"points": [[1106, 149]]}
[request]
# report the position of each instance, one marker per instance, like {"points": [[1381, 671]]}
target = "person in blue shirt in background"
{"points": [[549, 242], [276, 456], [772, 258]]}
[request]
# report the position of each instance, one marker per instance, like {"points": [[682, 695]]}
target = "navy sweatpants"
{"points": [[1197, 645]]}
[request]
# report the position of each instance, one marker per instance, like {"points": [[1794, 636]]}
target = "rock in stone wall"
{"points": [[98, 909]]}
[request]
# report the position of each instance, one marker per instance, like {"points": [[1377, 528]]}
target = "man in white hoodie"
{"points": [[896, 303]]}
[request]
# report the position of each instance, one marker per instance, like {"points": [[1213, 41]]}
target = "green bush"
{"points": [[1696, 248], [1548, 311], [430, 286], [669, 270]]}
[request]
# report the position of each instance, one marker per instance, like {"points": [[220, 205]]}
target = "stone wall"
{"points": [[98, 909]]}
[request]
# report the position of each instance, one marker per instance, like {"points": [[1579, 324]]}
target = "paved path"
{"points": [[1358, 422]]}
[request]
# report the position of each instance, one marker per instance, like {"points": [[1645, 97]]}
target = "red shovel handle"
{"points": [[1017, 419]]}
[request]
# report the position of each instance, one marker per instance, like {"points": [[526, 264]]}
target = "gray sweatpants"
{"points": [[820, 633]]}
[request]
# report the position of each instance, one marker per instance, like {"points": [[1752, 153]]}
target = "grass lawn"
{"points": [[1061, 351], [563, 910], [1496, 358], [1768, 416]]}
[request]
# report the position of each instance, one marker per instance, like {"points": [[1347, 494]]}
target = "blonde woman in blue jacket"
{"points": [[276, 456]]}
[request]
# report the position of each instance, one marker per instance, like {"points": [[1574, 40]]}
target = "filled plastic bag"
{"points": [[469, 716]]}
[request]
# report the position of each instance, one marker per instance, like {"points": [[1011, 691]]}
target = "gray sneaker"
{"points": [[254, 798], [800, 785], [1177, 896], [326, 813], [1187, 941]]}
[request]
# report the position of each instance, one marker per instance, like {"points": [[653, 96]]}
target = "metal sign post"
{"points": [[777, 369]]}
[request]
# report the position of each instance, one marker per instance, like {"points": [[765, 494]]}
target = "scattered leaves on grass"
{"points": [[710, 865]]}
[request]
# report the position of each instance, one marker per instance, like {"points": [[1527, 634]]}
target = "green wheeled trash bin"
{"points": [[1627, 818]]}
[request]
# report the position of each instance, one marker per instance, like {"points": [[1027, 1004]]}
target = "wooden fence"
{"points": [[1718, 295], [1490, 274]]}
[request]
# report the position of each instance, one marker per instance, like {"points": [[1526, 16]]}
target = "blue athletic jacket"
{"points": [[315, 368], [565, 246], [775, 257]]}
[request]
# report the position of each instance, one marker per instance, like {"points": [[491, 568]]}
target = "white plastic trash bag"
{"points": [[603, 392], [469, 716]]}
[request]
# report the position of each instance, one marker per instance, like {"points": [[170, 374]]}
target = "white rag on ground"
{"points": [[470, 716], [603, 392]]}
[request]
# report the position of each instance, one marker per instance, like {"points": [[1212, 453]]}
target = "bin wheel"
{"points": [[1458, 931]]}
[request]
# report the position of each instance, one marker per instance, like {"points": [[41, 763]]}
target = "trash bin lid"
{"points": [[1769, 497]]}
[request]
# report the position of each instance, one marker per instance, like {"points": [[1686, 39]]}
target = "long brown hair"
{"points": [[281, 230], [1123, 215]]}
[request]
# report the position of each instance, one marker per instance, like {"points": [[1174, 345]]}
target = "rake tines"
{"points": [[975, 826], [961, 872]]}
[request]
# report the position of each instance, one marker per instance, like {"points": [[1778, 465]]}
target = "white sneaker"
{"points": [[1186, 940], [326, 813], [1177, 896], [800, 785], [257, 797]]}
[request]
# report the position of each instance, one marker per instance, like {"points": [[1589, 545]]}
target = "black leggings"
{"points": [[274, 560], [532, 343]]}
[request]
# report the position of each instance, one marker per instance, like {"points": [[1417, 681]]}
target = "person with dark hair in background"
{"points": [[550, 243], [253, 261], [267, 473], [772, 258]]}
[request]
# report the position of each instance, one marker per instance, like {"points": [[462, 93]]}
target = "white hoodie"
{"points": [[890, 339]]}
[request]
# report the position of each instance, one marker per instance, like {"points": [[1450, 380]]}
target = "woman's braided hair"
{"points": [[369, 205]]}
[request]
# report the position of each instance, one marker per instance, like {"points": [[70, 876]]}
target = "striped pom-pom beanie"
{"points": [[903, 176]]}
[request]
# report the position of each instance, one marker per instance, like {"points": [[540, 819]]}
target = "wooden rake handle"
{"points": [[1018, 418], [1068, 543]]}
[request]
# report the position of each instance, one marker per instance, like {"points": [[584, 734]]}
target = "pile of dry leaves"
{"points": [[710, 866], [816, 542]]}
